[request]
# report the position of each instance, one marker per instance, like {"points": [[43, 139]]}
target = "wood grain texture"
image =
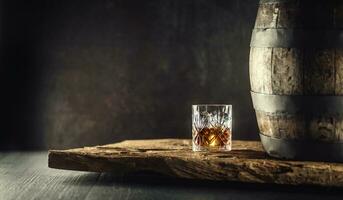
{"points": [[296, 72], [339, 72], [281, 126], [287, 71], [319, 76], [300, 15], [247, 162], [260, 70], [297, 126], [25, 175], [308, 70], [267, 16]]}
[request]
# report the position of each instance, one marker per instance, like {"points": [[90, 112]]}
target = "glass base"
{"points": [[198, 148]]}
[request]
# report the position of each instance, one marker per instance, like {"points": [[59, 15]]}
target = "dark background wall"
{"points": [[86, 72]]}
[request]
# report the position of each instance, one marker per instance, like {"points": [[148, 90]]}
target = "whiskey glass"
{"points": [[211, 127]]}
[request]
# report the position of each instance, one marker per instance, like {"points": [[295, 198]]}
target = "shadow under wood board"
{"points": [[247, 162]]}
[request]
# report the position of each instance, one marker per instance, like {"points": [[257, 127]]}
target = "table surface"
{"points": [[25, 175]]}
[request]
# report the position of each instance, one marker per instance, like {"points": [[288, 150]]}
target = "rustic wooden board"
{"points": [[26, 176], [247, 162]]}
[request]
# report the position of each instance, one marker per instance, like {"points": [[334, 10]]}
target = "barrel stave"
{"points": [[283, 125], [319, 76], [296, 71], [339, 72], [287, 71], [260, 70], [267, 16], [300, 15], [319, 127]]}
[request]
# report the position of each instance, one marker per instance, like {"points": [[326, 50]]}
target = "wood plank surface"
{"points": [[247, 162], [24, 175]]}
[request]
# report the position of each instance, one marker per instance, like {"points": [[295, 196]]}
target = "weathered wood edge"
{"points": [[228, 169]]}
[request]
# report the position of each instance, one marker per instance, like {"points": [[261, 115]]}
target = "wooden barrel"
{"points": [[296, 76]]}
